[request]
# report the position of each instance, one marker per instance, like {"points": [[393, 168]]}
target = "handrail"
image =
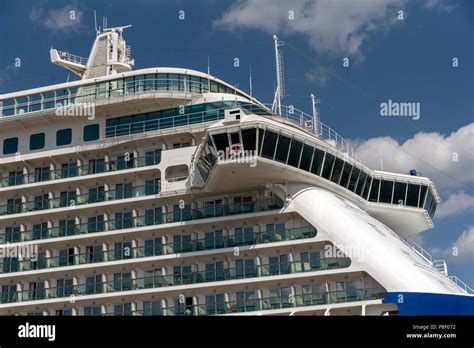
{"points": [[320, 130], [72, 58], [461, 284]]}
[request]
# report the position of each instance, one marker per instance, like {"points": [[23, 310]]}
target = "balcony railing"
{"points": [[11, 265], [226, 274], [76, 171], [142, 220]]}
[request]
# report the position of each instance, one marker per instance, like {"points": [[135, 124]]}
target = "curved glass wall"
{"points": [[161, 82], [285, 149]]}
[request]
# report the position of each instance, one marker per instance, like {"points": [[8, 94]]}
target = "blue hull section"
{"points": [[414, 303]]}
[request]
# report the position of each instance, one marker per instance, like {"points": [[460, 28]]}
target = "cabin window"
{"points": [[91, 132], [10, 146]]}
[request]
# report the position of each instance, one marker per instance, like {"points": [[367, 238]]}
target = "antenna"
{"points": [[314, 101], [95, 24], [250, 82], [279, 92], [208, 73]]}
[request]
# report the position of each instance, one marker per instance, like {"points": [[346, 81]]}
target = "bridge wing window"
{"points": [[327, 167], [346, 173], [249, 138], [386, 191], [412, 195], [295, 153], [306, 157], [221, 141], [399, 193], [336, 172], [353, 179], [269, 143], [367, 188], [361, 183], [374, 191], [423, 191], [317, 162], [282, 149]]}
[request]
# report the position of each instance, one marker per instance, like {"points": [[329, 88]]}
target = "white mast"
{"points": [[250, 82], [276, 107], [316, 121]]}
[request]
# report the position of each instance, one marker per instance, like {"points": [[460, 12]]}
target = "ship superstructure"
{"points": [[167, 191]]}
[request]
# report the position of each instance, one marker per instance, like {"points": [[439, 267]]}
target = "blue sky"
{"points": [[407, 60]]}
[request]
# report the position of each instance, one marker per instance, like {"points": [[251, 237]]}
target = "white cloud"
{"points": [[456, 203], [447, 160], [461, 250], [331, 26], [66, 19]]}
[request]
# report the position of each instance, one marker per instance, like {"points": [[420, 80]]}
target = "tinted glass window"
{"points": [[10, 146], [336, 172], [353, 179], [260, 140], [367, 187], [327, 167], [295, 152], [412, 195], [346, 172], [221, 141], [282, 149], [361, 183], [422, 196], [249, 138], [399, 193], [317, 162], [37, 141], [386, 191], [91, 132], [306, 157], [374, 191], [63, 137], [269, 143]]}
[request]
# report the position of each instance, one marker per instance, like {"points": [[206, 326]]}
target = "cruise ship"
{"points": [[167, 191]]}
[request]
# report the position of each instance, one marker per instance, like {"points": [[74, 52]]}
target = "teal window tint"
{"points": [[9, 293], [37, 290], [96, 166], [123, 191], [62, 97], [67, 227], [183, 275], [41, 202], [153, 216], [37, 141], [221, 141], [275, 232], [96, 310], [95, 224], [214, 239], [412, 195], [247, 301], [346, 173], [214, 208], [244, 236], [15, 178], [279, 264], [122, 281], [310, 261], [214, 271], [353, 179], [249, 139], [67, 199], [152, 187], [35, 102], [14, 205], [96, 194], [152, 308], [91, 132], [215, 304], [152, 157], [314, 294], [40, 231], [94, 284], [399, 193], [12, 234], [126, 161], [386, 191], [123, 220], [42, 174], [367, 188], [423, 190], [337, 171], [63, 137], [182, 243], [280, 298], [8, 108], [21, 105], [361, 183], [48, 100], [306, 157], [295, 153], [184, 214], [374, 191], [245, 268], [64, 287], [317, 162], [327, 167], [269, 144], [67, 257], [123, 250], [153, 247], [283, 148], [64, 312], [10, 145], [69, 170]]}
